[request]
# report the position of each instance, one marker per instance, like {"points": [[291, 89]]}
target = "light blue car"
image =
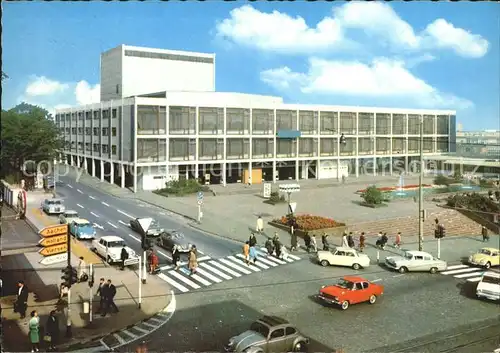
{"points": [[82, 229]]}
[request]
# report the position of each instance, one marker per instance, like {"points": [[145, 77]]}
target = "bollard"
{"points": [[378, 256]]}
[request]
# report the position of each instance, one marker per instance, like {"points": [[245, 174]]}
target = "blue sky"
{"points": [[415, 55]]}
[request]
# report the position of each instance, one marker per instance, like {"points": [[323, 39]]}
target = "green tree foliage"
{"points": [[473, 202], [443, 180], [4, 76], [27, 135], [373, 196]]}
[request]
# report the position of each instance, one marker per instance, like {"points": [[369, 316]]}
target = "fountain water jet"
{"points": [[401, 183]]}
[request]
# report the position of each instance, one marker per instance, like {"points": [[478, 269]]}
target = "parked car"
{"points": [[169, 238], [415, 261], [110, 248], [67, 216], [489, 286], [269, 334], [146, 226], [351, 290], [82, 229], [486, 257], [343, 257], [53, 206]]}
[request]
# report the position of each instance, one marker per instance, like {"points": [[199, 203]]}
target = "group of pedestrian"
{"points": [[276, 248], [51, 331], [106, 292]]}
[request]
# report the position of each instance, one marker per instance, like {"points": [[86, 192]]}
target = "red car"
{"points": [[351, 290]]}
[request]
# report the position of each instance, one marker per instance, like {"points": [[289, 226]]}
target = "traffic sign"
{"points": [[55, 240], [200, 195], [54, 259], [57, 229], [200, 202], [53, 250]]}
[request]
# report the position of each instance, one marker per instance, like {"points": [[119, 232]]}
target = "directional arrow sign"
{"points": [[50, 231], [55, 240], [54, 259], [53, 250]]}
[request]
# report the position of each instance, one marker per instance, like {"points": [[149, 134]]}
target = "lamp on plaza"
{"points": [[289, 189], [421, 211]]}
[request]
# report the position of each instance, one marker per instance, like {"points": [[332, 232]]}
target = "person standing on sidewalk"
{"points": [[324, 241], [82, 270], [260, 225], [246, 252], [34, 331], [21, 304], [110, 298], [52, 331], [123, 257], [345, 243], [484, 233], [362, 240], [101, 292], [314, 243], [397, 241], [350, 240]]}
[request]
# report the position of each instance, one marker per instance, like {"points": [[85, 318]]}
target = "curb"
{"points": [[97, 344]]}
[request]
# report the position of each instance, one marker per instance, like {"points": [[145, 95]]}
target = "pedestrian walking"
{"points": [[324, 241], [192, 261], [293, 241], [345, 244], [252, 241], [484, 233], [260, 225], [154, 262], [246, 252], [397, 241], [34, 331], [21, 304], [110, 298], [362, 240], [176, 256], [269, 247], [350, 240], [314, 244], [283, 253], [307, 242], [123, 257], [102, 292], [82, 270], [277, 247], [52, 331], [253, 255]]}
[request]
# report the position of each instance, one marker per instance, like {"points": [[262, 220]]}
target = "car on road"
{"points": [[269, 334], [168, 239], [67, 216], [343, 257], [82, 229], [486, 257], [53, 206], [110, 247], [415, 261], [146, 226], [351, 290], [489, 286]]}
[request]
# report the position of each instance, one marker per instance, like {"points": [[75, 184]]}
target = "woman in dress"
{"points": [[52, 330], [193, 261], [34, 331]]}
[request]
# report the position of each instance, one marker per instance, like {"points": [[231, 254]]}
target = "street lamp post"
{"points": [[421, 211]]}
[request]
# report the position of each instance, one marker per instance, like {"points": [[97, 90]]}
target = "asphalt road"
{"points": [[113, 214], [416, 307]]}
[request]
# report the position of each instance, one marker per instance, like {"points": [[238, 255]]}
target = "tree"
{"points": [[373, 196], [4, 76], [27, 135], [442, 180]]}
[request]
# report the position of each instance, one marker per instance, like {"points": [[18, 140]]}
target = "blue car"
{"points": [[82, 229]]}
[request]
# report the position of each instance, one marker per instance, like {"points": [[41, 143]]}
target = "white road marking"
{"points": [[456, 272], [184, 279], [93, 198], [126, 214], [173, 283], [93, 214], [112, 225], [201, 280], [225, 269], [128, 333], [119, 338], [252, 266], [214, 270], [400, 275], [208, 275], [104, 203], [155, 320], [475, 279], [148, 324], [272, 258], [134, 237], [200, 252], [377, 280], [69, 186], [236, 267], [203, 258], [466, 275], [80, 191], [162, 213], [125, 224], [164, 255], [296, 258], [136, 327], [264, 260], [168, 267], [456, 267], [79, 205], [98, 226]]}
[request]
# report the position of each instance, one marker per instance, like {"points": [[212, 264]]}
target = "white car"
{"points": [[343, 257], [53, 206], [489, 286], [67, 216], [110, 248], [415, 261]]}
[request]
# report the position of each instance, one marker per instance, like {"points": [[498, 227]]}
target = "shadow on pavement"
{"points": [[207, 328], [468, 289]]}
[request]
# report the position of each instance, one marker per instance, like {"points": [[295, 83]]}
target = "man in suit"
{"points": [[22, 299], [101, 292], [110, 298]]}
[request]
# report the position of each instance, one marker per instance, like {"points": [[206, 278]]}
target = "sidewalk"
{"points": [[43, 282]]}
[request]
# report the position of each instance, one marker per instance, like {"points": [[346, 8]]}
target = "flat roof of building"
{"points": [[160, 51]]}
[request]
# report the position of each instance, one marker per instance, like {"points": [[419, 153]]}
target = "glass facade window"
{"points": [[365, 146], [442, 124], [383, 145], [308, 122], [442, 144], [182, 120], [151, 150], [429, 121], [366, 123], [398, 145], [151, 120], [413, 124], [237, 121], [210, 121], [348, 123], [413, 145], [286, 119], [182, 149], [262, 122], [428, 145], [308, 147], [383, 123], [237, 148], [210, 149], [286, 148], [329, 123], [348, 148], [262, 148], [328, 146], [399, 124]]}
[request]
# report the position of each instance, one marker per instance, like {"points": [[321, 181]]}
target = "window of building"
{"points": [[328, 146], [151, 120], [61, 130], [113, 150], [105, 149], [88, 131], [182, 149], [262, 148], [286, 119], [413, 124], [73, 116], [237, 148], [80, 130], [348, 123], [398, 124], [442, 125], [73, 130], [308, 122], [114, 113], [87, 146], [365, 146], [365, 123], [383, 123], [151, 150], [96, 131], [429, 124], [80, 115], [211, 120], [262, 121], [182, 120], [67, 130], [57, 118], [286, 148], [105, 114], [88, 115], [237, 121], [113, 131], [80, 145], [383, 145], [105, 131], [97, 114], [96, 147]]}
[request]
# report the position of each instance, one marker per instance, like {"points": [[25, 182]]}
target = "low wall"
{"points": [[332, 232], [10, 193], [484, 219]]}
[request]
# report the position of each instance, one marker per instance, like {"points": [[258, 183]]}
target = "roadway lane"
{"points": [[119, 211], [414, 306]]}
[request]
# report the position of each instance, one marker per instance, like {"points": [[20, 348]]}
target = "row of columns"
{"points": [[77, 162]]}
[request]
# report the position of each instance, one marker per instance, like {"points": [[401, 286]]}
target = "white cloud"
{"points": [[279, 32], [383, 78], [415, 61], [42, 86], [86, 93]]}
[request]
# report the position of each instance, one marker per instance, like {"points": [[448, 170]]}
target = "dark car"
{"points": [[146, 226], [269, 334], [168, 239]]}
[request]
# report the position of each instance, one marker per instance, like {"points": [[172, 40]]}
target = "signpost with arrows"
{"points": [[54, 244]]}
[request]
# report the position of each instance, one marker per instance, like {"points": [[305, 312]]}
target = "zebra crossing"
{"points": [[466, 272], [212, 271]]}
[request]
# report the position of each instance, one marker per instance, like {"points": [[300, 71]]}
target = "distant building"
{"points": [[479, 144]]}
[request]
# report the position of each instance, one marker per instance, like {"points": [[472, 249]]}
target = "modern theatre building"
{"points": [[161, 119]]}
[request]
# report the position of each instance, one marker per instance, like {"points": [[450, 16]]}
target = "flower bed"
{"points": [[394, 188], [309, 222]]}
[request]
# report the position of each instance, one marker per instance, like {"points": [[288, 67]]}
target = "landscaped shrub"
{"points": [[373, 196], [276, 198], [182, 187], [443, 180], [309, 222], [473, 202]]}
